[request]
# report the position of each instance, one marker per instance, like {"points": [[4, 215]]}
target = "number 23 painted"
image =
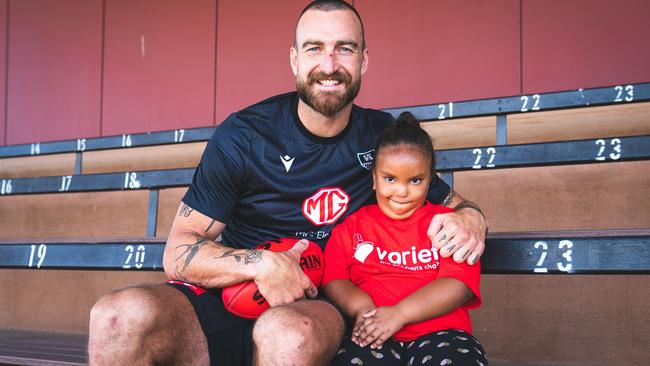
{"points": [[564, 267]]}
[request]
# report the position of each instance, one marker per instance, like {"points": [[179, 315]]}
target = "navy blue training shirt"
{"points": [[266, 176]]}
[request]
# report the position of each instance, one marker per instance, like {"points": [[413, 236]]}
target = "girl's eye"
{"points": [[416, 180], [389, 179]]}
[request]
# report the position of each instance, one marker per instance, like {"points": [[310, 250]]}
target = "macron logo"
{"points": [[287, 161]]}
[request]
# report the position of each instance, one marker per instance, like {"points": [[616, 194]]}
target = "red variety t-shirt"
{"points": [[390, 259]]}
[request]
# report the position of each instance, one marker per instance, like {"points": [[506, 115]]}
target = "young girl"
{"points": [[409, 306]]}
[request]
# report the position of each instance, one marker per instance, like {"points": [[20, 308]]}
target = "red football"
{"points": [[244, 299]]}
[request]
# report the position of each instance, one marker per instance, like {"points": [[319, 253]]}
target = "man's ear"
{"points": [[293, 60]]}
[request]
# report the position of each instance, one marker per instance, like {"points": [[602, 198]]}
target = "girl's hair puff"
{"points": [[406, 131]]}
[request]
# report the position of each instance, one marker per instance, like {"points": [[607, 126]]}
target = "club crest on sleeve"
{"points": [[366, 158]]}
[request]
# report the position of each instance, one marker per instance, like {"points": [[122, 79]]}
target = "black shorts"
{"points": [[230, 338]]}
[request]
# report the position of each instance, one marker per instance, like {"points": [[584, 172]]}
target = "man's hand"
{"points": [[460, 233], [377, 326], [280, 278]]}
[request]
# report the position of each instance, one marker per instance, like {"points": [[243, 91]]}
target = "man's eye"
{"points": [[346, 50], [313, 49]]}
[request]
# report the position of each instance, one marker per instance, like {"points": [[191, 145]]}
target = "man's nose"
{"points": [[329, 63]]}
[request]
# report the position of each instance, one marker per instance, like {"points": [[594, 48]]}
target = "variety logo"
{"points": [[413, 259], [366, 158], [325, 206], [409, 257], [362, 248]]}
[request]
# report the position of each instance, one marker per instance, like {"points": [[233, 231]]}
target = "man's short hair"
{"points": [[329, 5]]}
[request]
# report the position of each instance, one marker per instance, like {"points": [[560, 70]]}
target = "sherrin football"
{"points": [[245, 300]]}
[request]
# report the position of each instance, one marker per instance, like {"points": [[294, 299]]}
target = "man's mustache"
{"points": [[338, 75]]}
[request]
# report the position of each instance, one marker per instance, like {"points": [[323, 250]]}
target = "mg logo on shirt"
{"points": [[325, 206]]}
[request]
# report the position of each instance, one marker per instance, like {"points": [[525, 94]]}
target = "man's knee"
{"points": [[283, 324], [302, 333], [145, 325], [129, 311]]}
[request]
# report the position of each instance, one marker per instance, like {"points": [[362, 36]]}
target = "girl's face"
{"points": [[401, 177]]}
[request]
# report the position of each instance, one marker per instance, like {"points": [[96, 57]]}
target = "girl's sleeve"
{"points": [[336, 263], [469, 275]]}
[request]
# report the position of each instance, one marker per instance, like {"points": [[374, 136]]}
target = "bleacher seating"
{"points": [[621, 251]]}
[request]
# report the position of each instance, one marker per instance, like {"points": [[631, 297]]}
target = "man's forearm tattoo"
{"points": [[185, 210], [250, 256], [209, 226], [190, 252], [449, 198], [179, 276]]}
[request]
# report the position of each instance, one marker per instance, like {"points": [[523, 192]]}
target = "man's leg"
{"points": [[306, 332], [143, 326]]}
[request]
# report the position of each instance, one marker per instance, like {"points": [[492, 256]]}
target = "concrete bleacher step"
{"points": [[19, 347]]}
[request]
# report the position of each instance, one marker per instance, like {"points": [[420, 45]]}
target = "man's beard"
{"points": [[328, 103]]}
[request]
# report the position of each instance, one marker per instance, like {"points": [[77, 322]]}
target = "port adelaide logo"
{"points": [[366, 159]]}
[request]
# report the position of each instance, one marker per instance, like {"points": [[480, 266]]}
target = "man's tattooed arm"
{"points": [[209, 226], [192, 249], [190, 252], [249, 256], [185, 210], [450, 197], [179, 276]]}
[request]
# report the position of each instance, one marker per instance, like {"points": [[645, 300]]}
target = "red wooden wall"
{"points": [[158, 65], [54, 69], [427, 51], [253, 52], [583, 44], [83, 68], [3, 68]]}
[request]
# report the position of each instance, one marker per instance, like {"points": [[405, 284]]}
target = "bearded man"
{"points": [[290, 166]]}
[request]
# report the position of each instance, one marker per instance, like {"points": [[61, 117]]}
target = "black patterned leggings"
{"points": [[447, 347]]}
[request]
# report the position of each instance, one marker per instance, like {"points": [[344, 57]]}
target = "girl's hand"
{"points": [[359, 320], [377, 326]]}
